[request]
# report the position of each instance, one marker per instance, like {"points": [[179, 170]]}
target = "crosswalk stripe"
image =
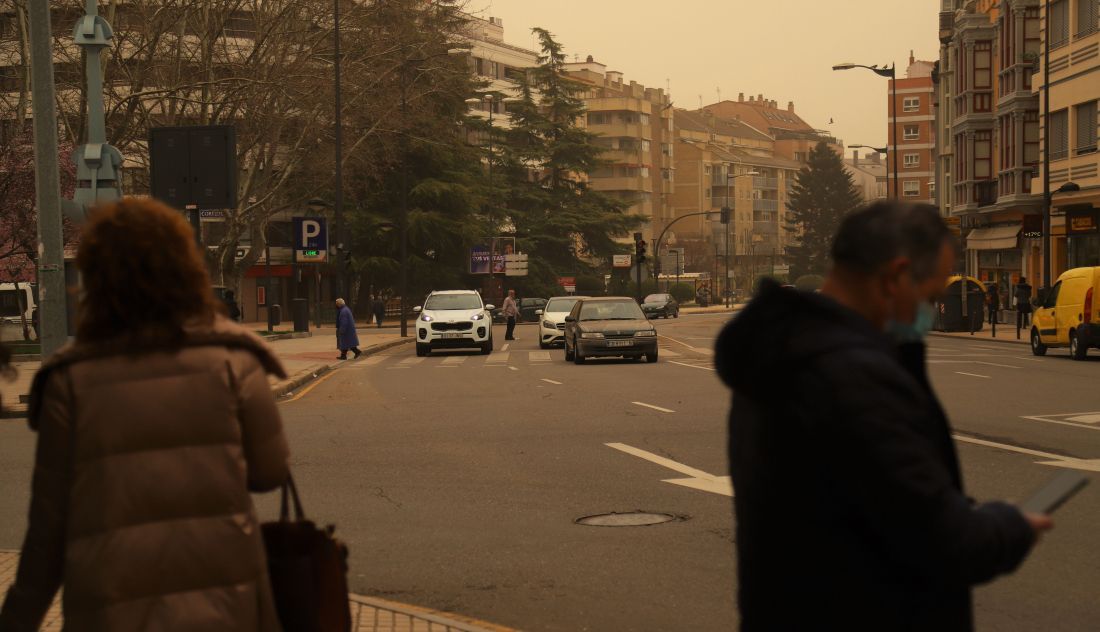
{"points": [[500, 357], [452, 360], [539, 356], [411, 361]]}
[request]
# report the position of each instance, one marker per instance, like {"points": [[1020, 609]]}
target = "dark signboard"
{"points": [[1033, 227], [1082, 221]]}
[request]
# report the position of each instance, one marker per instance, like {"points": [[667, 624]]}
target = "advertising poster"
{"points": [[479, 256]]}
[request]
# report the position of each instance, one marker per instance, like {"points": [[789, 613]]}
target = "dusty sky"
{"points": [[784, 49]]}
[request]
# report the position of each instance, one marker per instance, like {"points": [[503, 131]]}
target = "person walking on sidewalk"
{"points": [[850, 508], [994, 302], [153, 427], [346, 337], [379, 307], [1023, 305], [234, 310], [510, 311]]}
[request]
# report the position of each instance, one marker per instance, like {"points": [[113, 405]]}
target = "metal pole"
{"points": [[47, 181], [405, 211], [338, 185], [492, 223], [729, 219], [267, 279], [1047, 241], [894, 106]]}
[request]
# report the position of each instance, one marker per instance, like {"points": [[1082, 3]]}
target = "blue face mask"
{"points": [[915, 331]]}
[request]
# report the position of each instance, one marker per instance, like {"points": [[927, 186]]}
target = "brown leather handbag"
{"points": [[308, 569]]}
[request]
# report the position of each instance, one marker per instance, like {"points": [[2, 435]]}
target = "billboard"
{"points": [[479, 256]]}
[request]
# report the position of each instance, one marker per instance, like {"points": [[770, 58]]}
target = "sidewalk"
{"points": [[1005, 334], [304, 359], [368, 614], [713, 309]]}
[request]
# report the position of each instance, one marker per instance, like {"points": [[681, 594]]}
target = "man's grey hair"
{"points": [[871, 237], [340, 302]]}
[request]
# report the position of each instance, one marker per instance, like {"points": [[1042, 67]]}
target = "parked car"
{"points": [[608, 327], [528, 308], [661, 306], [1068, 314], [453, 319], [552, 319]]}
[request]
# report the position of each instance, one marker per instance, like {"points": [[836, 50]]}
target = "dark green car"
{"points": [[661, 306], [611, 326]]}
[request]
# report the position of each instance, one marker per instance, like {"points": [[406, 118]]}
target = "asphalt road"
{"points": [[456, 479]]}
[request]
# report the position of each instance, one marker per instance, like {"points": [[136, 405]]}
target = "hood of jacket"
{"points": [[782, 330]]}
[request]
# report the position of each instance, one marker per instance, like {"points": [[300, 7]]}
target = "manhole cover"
{"points": [[628, 519]]}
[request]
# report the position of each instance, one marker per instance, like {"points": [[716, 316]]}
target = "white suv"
{"points": [[453, 319], [552, 319]]}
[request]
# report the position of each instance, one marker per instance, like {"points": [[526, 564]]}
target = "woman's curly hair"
{"points": [[143, 276]]}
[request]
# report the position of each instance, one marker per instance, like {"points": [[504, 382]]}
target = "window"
{"points": [[1031, 138], [911, 104], [983, 155], [910, 188], [644, 172], [1059, 23], [666, 174], [515, 74], [645, 145], [644, 118], [912, 160], [1086, 126], [983, 65], [911, 132], [666, 149], [1087, 11], [1059, 135], [598, 118], [706, 169]]}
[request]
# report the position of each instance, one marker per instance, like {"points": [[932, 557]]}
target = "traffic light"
{"points": [[725, 216], [639, 250]]}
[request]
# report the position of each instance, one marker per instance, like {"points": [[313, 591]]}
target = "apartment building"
{"points": [[634, 125], [496, 62], [989, 118], [910, 103], [869, 174], [1074, 161], [794, 137]]}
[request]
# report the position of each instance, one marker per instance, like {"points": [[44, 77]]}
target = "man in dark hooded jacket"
{"points": [[848, 496]]}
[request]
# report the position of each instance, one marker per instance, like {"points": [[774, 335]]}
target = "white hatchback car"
{"points": [[552, 320], [453, 319]]}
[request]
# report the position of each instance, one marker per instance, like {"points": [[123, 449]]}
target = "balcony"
{"points": [[985, 193], [626, 183], [764, 182], [765, 205]]}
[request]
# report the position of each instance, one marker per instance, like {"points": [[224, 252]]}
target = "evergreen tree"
{"points": [[560, 221], [823, 194]]}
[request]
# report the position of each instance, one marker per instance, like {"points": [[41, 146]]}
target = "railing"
{"points": [[378, 615], [985, 193], [764, 182], [765, 205]]}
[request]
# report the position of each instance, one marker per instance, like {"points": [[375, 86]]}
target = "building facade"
{"points": [[496, 62], [910, 103], [869, 175]]}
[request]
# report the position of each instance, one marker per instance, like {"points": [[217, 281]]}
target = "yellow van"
{"points": [[1069, 314]]}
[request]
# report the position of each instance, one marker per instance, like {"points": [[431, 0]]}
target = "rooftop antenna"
{"points": [[700, 102], [719, 94]]}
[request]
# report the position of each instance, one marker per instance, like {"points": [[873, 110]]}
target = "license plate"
{"points": [[452, 335], [620, 343]]}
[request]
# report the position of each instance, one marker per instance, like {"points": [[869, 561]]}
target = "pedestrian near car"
{"points": [[510, 311], [347, 339], [850, 508], [1023, 305], [153, 427], [379, 307]]}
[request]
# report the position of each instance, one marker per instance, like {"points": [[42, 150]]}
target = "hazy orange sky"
{"points": [[784, 49]]}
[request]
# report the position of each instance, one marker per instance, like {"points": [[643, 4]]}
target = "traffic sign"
{"points": [[310, 239], [515, 264], [620, 261]]}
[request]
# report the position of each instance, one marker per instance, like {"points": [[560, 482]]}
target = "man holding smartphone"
{"points": [[850, 508]]}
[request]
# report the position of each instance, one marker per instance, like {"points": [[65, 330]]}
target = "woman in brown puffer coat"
{"points": [[152, 429]]}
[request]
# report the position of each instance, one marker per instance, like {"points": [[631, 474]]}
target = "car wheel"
{"points": [[651, 357], [423, 350], [487, 346], [577, 357], [1037, 346], [543, 345], [568, 353], [1077, 351]]}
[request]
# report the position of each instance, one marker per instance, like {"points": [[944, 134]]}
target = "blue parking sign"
{"points": [[310, 239]]}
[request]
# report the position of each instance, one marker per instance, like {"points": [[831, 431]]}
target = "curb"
{"points": [[305, 376], [287, 336], [1004, 341]]}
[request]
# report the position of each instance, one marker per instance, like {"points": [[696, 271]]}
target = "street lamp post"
{"points": [[489, 207], [890, 74], [729, 219], [338, 143]]}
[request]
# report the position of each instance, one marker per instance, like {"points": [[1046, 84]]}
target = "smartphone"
{"points": [[1055, 492]]}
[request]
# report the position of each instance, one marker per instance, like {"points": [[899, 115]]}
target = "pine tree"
{"points": [[823, 194], [560, 220]]}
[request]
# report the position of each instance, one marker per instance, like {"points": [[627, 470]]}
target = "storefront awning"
{"points": [[993, 238]]}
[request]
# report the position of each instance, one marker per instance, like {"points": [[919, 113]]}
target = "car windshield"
{"points": [[611, 310], [656, 298], [561, 304], [441, 302]]}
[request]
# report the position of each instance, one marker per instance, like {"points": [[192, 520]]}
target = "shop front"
{"points": [[1083, 236], [996, 256]]}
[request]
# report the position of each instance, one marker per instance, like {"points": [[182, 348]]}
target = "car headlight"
{"points": [[477, 317], [592, 335], [426, 318], [549, 325], [648, 333]]}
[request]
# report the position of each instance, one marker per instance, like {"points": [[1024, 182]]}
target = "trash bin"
{"points": [[951, 306], [275, 315], [299, 310]]}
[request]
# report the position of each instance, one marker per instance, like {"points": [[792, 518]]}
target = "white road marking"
{"points": [[551, 381], [454, 360], [513, 368], [658, 408], [699, 479], [679, 342], [1003, 366], [505, 347], [668, 353], [692, 366], [1056, 460], [539, 356], [411, 361], [501, 357], [974, 375], [1029, 359], [986, 348], [1078, 420], [371, 361]]}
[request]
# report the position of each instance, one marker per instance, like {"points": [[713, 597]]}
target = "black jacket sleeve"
{"points": [[899, 489]]}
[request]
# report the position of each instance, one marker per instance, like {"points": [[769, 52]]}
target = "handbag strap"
{"points": [[284, 510]]}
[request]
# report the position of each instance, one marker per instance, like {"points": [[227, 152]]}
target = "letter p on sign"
{"points": [[310, 229]]}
